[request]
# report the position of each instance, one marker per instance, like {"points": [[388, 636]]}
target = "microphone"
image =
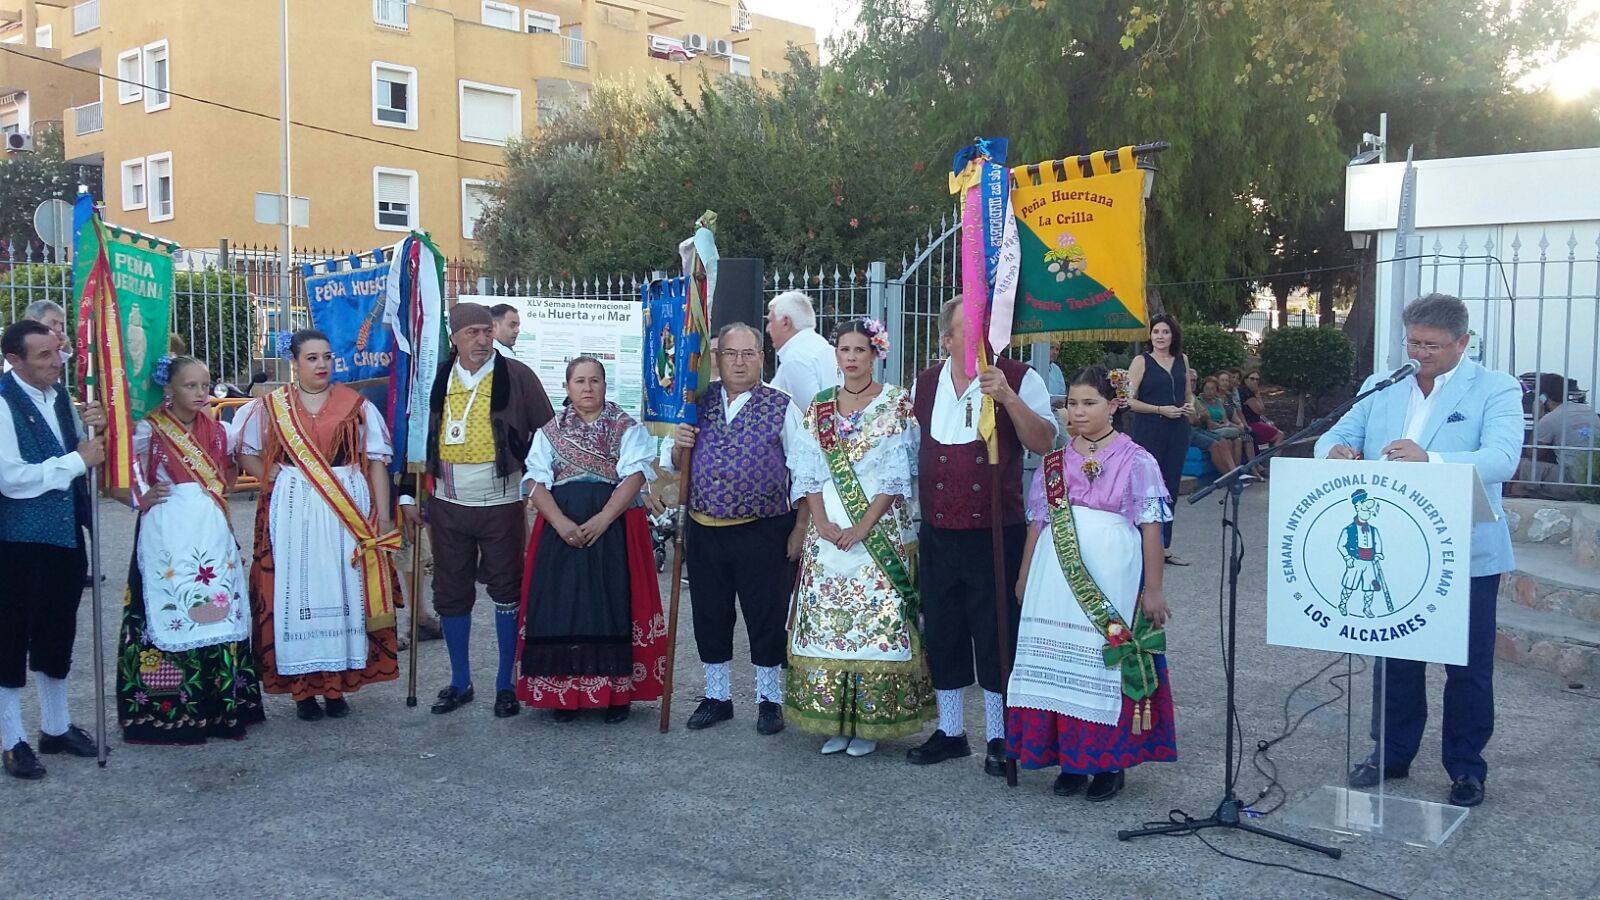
{"points": [[1398, 375]]}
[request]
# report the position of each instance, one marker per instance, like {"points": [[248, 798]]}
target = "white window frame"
{"points": [[150, 193], [468, 226], [549, 23], [412, 216], [129, 93], [495, 6], [379, 7], [735, 61], [151, 92], [464, 85], [411, 95], [128, 166], [44, 37]]}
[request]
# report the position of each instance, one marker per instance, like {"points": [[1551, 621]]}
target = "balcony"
{"points": [[86, 17], [87, 119], [391, 14], [574, 51]]}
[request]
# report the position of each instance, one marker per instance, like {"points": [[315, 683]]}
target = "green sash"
{"points": [[824, 410], [1135, 649]]}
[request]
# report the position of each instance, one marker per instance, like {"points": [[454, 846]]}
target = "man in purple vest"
{"points": [[955, 547], [44, 511], [742, 538]]}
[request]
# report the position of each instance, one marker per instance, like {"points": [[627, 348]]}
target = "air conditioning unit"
{"points": [[669, 49], [17, 142], [722, 47], [695, 42]]}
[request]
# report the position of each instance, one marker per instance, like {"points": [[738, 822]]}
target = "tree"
{"points": [[27, 179], [1306, 360], [212, 312]]}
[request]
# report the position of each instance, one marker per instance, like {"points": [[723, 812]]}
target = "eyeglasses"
{"points": [[1426, 346], [732, 355]]}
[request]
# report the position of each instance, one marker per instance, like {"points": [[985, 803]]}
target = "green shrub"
{"points": [[1212, 348], [212, 312], [1307, 360], [1075, 355], [21, 285]]}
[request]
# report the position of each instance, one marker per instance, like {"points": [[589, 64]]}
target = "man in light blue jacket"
{"points": [[1454, 411]]}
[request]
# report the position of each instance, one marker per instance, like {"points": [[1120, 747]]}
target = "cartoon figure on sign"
{"points": [[1362, 548]]}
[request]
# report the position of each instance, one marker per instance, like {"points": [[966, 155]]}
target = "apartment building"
{"points": [[401, 109]]}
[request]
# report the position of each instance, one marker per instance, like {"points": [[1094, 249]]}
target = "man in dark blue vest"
{"points": [[44, 516]]}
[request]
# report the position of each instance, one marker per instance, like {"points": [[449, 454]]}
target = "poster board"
{"points": [[557, 329]]}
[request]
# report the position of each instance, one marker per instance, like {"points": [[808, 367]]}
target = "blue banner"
{"points": [[347, 306], [671, 352]]}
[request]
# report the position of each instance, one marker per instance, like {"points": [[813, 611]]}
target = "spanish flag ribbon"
{"points": [[102, 358]]}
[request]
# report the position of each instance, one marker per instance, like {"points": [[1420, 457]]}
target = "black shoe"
{"points": [[709, 713], [1104, 786], [451, 700], [505, 704], [615, 714], [939, 748], [309, 710], [1466, 791], [75, 742], [769, 717], [429, 630], [563, 715], [994, 759], [1366, 774], [1068, 783], [21, 763], [337, 707]]}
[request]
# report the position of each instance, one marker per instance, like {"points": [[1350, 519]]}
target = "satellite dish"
{"points": [[52, 221]]}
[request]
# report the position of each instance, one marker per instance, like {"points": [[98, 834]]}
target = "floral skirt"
{"points": [[828, 696], [1038, 739], [185, 697]]}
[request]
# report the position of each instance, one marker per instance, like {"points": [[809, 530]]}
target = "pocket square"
{"points": [[1456, 417]]}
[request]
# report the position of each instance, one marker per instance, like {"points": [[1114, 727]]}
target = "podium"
{"points": [[1373, 559]]}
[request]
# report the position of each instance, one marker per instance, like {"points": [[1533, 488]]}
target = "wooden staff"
{"points": [[684, 460], [416, 584], [1002, 590], [95, 602]]}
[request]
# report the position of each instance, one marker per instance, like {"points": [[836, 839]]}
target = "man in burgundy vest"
{"points": [[955, 546], [742, 538]]}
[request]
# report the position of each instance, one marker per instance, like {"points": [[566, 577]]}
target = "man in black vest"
{"points": [[44, 513]]}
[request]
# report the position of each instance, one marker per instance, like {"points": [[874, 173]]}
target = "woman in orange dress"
{"points": [[322, 588]]}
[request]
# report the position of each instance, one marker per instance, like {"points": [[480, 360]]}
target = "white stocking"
{"points": [[952, 713]]}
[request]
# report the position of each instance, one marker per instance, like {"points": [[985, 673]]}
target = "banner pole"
{"points": [[416, 593], [685, 460], [95, 599]]}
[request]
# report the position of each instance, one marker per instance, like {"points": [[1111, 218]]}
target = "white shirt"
{"points": [[806, 365], [793, 427], [954, 419], [634, 455], [21, 480], [504, 350], [469, 380], [1419, 407]]}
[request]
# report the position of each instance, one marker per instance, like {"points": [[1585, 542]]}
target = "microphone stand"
{"points": [[1231, 811]]}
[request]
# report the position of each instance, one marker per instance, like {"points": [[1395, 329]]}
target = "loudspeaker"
{"points": [[738, 296]]}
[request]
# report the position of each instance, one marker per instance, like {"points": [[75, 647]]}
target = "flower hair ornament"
{"points": [[162, 373], [1120, 383], [284, 340], [877, 336]]}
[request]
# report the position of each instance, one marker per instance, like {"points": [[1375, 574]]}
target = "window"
{"points": [[739, 65], [475, 197], [44, 36], [499, 15], [130, 72], [159, 171], [155, 77], [541, 22], [394, 95], [490, 114], [394, 199], [133, 196], [11, 122], [86, 17], [391, 13]]}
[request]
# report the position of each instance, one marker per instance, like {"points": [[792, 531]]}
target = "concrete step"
{"points": [[1572, 525], [1548, 579], [1548, 641]]}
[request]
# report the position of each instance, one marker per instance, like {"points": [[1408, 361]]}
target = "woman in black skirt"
{"points": [[1158, 383], [593, 635]]}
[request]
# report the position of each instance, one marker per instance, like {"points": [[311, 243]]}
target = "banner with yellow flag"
{"points": [[1081, 239]]}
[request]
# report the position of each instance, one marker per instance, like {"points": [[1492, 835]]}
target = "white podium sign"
{"points": [[1371, 558]]}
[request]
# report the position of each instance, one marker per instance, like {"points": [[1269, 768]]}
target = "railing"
{"points": [[391, 13], [88, 118], [574, 52], [86, 16]]}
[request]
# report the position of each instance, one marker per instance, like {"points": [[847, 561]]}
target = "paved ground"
{"points": [[400, 803]]}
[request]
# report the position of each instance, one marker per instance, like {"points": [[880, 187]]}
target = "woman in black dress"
{"points": [[1158, 382]]}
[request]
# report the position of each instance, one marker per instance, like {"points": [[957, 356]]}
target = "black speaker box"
{"points": [[738, 296]]}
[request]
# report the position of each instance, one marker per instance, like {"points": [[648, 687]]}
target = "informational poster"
{"points": [[1371, 557], [555, 330]]}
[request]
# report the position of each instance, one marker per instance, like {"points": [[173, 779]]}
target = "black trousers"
{"points": [[960, 627], [39, 609], [749, 561]]}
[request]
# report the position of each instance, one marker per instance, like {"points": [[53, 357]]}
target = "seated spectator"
{"points": [[1563, 442], [1255, 412], [1212, 432]]}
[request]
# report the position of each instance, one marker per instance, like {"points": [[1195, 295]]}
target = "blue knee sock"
{"points": [[457, 629], [505, 634]]}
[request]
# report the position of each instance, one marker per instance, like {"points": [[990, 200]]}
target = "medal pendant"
{"points": [[455, 433]]}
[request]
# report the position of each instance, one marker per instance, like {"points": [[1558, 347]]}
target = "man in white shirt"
{"points": [[507, 326], [1453, 411], [806, 362], [49, 314], [955, 544], [44, 515]]}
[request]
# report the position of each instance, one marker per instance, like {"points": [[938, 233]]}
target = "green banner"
{"points": [[143, 279]]}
